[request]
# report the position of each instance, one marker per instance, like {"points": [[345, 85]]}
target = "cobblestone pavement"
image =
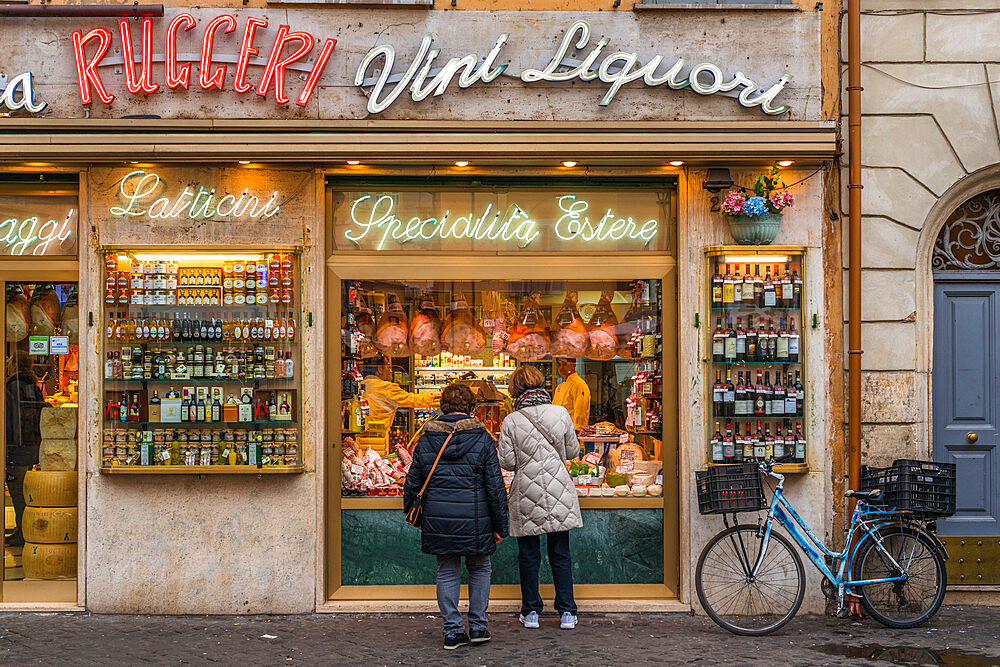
{"points": [[957, 636]]}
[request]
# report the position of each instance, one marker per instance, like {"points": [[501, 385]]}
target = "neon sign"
{"points": [[615, 69], [137, 188], [210, 74], [20, 235], [25, 85], [374, 218]]}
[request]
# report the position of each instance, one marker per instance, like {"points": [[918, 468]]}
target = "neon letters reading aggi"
{"points": [[17, 236], [136, 188], [374, 217]]}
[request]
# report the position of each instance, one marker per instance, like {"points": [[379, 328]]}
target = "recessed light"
{"points": [[676, 163], [244, 161], [786, 163], [354, 162], [569, 163], [133, 162], [461, 163]]}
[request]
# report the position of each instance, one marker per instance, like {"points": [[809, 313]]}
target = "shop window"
{"points": [[598, 344]]}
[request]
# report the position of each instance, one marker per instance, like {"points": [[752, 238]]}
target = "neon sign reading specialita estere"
{"points": [[374, 222]]}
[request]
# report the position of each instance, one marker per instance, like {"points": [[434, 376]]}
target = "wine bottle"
{"points": [[777, 395], [729, 396], [793, 341], [727, 289], [781, 350], [718, 342], [751, 344], [748, 293], [790, 408], [730, 342], [799, 395], [737, 287], [759, 408], [769, 292], [768, 443], [759, 444], [800, 444], [717, 394], [741, 341], [738, 443], [796, 288], [779, 443], [717, 455]]}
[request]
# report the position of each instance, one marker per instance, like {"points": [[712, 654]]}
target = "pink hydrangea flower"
{"points": [[781, 199], [733, 203]]}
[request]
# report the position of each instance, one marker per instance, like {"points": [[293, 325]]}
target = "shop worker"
{"points": [[573, 393], [464, 509], [385, 397]]}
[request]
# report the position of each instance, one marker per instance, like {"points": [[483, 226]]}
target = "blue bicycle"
{"points": [[750, 579]]}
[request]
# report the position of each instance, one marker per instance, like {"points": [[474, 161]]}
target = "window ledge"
{"points": [[698, 6], [406, 4]]}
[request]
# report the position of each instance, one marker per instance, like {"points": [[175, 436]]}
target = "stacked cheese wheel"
{"points": [[49, 524]]}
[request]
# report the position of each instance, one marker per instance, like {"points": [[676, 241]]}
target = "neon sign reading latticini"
{"points": [[137, 190], [374, 223]]}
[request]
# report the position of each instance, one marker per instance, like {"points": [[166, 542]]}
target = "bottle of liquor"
{"points": [[799, 395], [730, 342], [729, 396], [727, 289], [768, 443], [777, 395], [800, 444], [717, 394], [290, 327], [758, 286], [789, 442], [133, 409], [781, 349], [737, 287], [738, 407], [718, 342], [796, 288], [109, 366], [741, 341], [289, 365], [779, 443], [717, 455], [760, 444], [748, 294], [200, 410], [186, 410], [787, 296], [751, 344], [790, 409], [759, 407], [772, 341], [748, 442], [737, 452], [767, 393], [770, 296], [793, 341]]}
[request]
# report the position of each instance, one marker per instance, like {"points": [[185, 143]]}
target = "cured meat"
{"points": [[359, 332], [18, 317], [570, 340], [461, 333], [529, 338], [71, 323], [602, 332], [392, 335], [425, 329], [640, 319], [45, 311]]}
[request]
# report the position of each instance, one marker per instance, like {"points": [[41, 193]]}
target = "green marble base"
{"points": [[615, 546]]}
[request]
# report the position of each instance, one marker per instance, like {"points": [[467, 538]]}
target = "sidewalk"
{"points": [[957, 636]]}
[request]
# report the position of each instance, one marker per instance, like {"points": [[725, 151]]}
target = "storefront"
{"points": [[308, 285]]}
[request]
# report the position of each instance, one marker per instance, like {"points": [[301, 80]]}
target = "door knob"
{"points": [[971, 437]]}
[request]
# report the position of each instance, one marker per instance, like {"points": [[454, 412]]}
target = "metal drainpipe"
{"points": [[854, 246], [85, 11]]}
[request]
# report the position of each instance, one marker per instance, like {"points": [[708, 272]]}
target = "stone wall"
{"points": [[930, 141]]}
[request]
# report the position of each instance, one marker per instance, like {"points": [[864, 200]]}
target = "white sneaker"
{"points": [[530, 620], [567, 622]]}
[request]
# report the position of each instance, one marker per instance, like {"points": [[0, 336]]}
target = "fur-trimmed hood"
{"points": [[440, 425]]}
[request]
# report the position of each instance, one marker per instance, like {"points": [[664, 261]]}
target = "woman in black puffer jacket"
{"points": [[464, 509]]}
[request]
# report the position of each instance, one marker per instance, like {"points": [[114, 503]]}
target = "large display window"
{"points": [[598, 343]]}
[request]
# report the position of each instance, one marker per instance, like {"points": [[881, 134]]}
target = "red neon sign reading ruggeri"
{"points": [[288, 47]]}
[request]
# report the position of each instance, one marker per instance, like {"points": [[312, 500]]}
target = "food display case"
{"points": [[756, 335], [201, 362]]}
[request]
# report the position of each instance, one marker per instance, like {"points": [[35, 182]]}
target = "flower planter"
{"points": [[754, 230]]}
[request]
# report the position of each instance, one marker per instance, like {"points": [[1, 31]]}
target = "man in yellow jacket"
{"points": [[385, 397], [573, 393]]}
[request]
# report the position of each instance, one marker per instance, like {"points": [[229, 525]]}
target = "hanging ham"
{"points": [[461, 333], [529, 338], [45, 311], [360, 331], [602, 332], [18, 316], [425, 329], [570, 339], [392, 335]]}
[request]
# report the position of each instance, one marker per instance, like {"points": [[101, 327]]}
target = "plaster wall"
{"points": [[217, 544], [930, 142]]}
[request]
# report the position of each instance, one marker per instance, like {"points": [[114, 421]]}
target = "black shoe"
{"points": [[479, 636], [454, 641]]}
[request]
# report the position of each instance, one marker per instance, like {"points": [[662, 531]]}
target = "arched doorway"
{"points": [[966, 374]]}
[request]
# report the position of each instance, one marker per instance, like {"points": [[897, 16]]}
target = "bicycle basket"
{"points": [[730, 488], [922, 487]]}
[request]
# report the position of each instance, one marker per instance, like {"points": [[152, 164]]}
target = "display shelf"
{"points": [[201, 470], [201, 341], [465, 368], [200, 424], [750, 307], [203, 380]]}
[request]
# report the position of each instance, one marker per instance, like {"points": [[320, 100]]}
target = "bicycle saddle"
{"points": [[870, 495]]}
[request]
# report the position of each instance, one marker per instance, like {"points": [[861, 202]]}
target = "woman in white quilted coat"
{"points": [[536, 440]]}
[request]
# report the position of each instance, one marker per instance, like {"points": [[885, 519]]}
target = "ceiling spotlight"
{"points": [[786, 163], [461, 163], [244, 161], [354, 162], [569, 163], [676, 163]]}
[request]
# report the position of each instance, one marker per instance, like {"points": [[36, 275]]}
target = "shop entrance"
{"points": [[495, 303], [39, 417]]}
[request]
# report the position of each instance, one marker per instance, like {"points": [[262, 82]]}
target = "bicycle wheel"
{"points": [[747, 605], [902, 604]]}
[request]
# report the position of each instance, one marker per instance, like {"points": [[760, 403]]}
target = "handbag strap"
{"points": [[428, 478], [543, 432]]}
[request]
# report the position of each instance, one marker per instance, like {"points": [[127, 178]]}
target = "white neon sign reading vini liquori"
{"points": [[18, 235], [136, 189], [374, 217]]}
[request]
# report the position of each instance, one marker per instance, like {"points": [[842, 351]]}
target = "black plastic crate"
{"points": [[730, 488], [921, 487]]}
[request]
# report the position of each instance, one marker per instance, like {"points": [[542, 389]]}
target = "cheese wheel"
{"points": [[49, 525], [50, 488], [49, 561]]}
